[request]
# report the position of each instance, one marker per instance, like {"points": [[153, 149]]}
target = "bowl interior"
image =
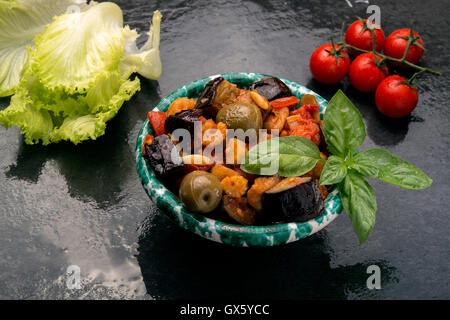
{"points": [[219, 231]]}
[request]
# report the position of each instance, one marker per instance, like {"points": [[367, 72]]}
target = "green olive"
{"points": [[240, 115], [201, 192]]}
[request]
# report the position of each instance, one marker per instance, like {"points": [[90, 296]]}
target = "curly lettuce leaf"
{"points": [[36, 125], [75, 49], [30, 111], [92, 126], [146, 61], [20, 22], [76, 77]]}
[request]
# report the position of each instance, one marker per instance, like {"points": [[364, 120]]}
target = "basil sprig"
{"points": [[344, 132]]}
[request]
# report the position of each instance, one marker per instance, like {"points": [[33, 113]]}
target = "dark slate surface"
{"points": [[64, 205]]}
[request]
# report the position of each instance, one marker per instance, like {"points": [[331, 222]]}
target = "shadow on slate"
{"points": [[177, 264]]}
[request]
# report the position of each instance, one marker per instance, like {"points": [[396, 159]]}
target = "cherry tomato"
{"points": [[362, 39], [329, 66], [365, 75], [394, 98], [396, 44]]}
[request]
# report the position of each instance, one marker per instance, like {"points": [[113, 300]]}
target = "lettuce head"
{"points": [[73, 74]]}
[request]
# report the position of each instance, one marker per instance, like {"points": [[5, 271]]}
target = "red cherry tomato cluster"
{"points": [[394, 96]]}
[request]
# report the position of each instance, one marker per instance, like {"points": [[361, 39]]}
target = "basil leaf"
{"points": [[390, 169], [358, 200], [334, 171], [287, 156], [344, 128]]}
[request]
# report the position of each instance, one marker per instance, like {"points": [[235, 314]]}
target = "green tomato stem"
{"points": [[383, 57]]}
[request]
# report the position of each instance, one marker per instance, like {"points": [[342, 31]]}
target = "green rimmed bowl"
{"points": [[231, 234]]}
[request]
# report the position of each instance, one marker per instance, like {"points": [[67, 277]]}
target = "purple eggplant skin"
{"points": [[271, 88], [183, 120], [165, 164], [323, 146], [206, 99], [298, 203]]}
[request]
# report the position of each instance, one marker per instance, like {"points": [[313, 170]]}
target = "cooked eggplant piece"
{"points": [[261, 185], [217, 93], [183, 120], [239, 210], [271, 88], [206, 98], [165, 163], [293, 200], [323, 146]]}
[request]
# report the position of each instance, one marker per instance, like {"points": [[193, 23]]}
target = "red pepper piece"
{"points": [[157, 120], [284, 102]]}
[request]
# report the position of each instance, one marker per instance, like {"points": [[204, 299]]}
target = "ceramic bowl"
{"points": [[226, 233]]}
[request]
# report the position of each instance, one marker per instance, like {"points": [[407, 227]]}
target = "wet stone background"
{"points": [[83, 205]]}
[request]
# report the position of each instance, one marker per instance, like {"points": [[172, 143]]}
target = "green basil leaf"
{"points": [[334, 171], [359, 201], [383, 165], [287, 156], [344, 128]]}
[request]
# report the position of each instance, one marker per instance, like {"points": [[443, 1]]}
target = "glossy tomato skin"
{"points": [[363, 40], [395, 47], [324, 66], [364, 74], [394, 99]]}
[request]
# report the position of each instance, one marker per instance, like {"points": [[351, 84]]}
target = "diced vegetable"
{"points": [[165, 163], [212, 133], [271, 88], [197, 159], [308, 129], [293, 199], [249, 176], [226, 93], [235, 186], [157, 120], [307, 112], [217, 93], [180, 104], [277, 119], [245, 97], [260, 100], [239, 210], [183, 120], [284, 102], [261, 185], [221, 172], [323, 142], [317, 171], [147, 141], [308, 99], [235, 151]]}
